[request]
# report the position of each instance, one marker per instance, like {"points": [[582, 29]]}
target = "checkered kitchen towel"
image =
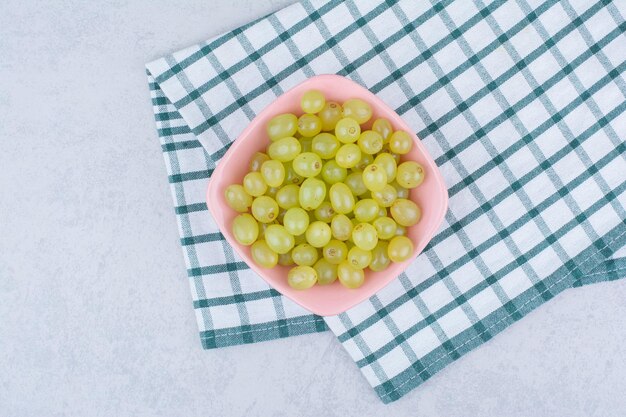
{"points": [[521, 103]]}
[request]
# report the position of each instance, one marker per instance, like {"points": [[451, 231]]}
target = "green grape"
{"points": [[245, 229], [401, 191], [386, 196], [281, 216], [400, 231], [347, 130], [370, 142], [357, 109], [296, 221], [312, 101], [374, 177], [383, 126], [271, 192], [284, 149], [291, 177], [410, 174], [364, 236], [265, 209], [388, 163], [312, 193], [382, 212], [273, 173], [395, 156], [306, 144], [333, 173], [254, 184], [307, 164], [287, 196], [326, 272], [341, 227], [354, 181], [330, 115], [348, 155], [325, 145], [355, 222], [279, 239], [400, 249], [302, 277], [366, 210], [282, 126], [237, 198], [400, 142], [324, 212], [309, 125], [385, 227], [299, 239], [285, 259], [365, 160], [359, 258], [335, 251], [380, 259], [341, 198], [263, 255], [405, 212], [257, 160], [318, 234], [349, 276], [263, 227], [304, 254]]}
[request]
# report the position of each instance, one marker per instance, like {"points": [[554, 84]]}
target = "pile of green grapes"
{"points": [[327, 196]]}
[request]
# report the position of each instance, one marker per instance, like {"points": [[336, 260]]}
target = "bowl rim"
{"points": [[212, 193]]}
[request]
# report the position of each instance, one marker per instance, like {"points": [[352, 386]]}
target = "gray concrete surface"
{"points": [[95, 311]]}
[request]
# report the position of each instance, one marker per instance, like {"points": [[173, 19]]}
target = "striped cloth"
{"points": [[521, 103]]}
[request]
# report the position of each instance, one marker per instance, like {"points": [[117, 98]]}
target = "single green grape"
{"points": [[370, 142], [284, 149], [318, 234], [335, 251], [366, 210], [347, 130], [374, 177], [288, 196], [279, 239], [265, 209], [380, 258], [400, 142], [262, 228], [354, 181], [309, 125], [326, 272], [254, 184], [349, 276], [333, 173], [273, 173], [357, 109], [383, 126], [386, 196], [401, 191], [330, 115], [385, 227], [348, 155], [388, 163], [341, 227], [312, 101], [257, 160], [285, 259], [364, 236], [359, 258], [307, 164], [296, 221], [405, 212], [245, 229], [324, 212], [237, 198], [400, 249], [382, 212], [282, 126], [263, 255], [312, 193], [400, 231], [325, 145], [271, 192], [365, 160], [291, 177], [302, 277], [304, 254], [410, 174], [341, 198], [306, 144]]}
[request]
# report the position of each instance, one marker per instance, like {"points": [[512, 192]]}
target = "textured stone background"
{"points": [[95, 310]]}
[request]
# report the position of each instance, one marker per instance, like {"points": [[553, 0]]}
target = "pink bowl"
{"points": [[431, 196]]}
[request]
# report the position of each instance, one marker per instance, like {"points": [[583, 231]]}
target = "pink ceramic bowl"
{"points": [[327, 300]]}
